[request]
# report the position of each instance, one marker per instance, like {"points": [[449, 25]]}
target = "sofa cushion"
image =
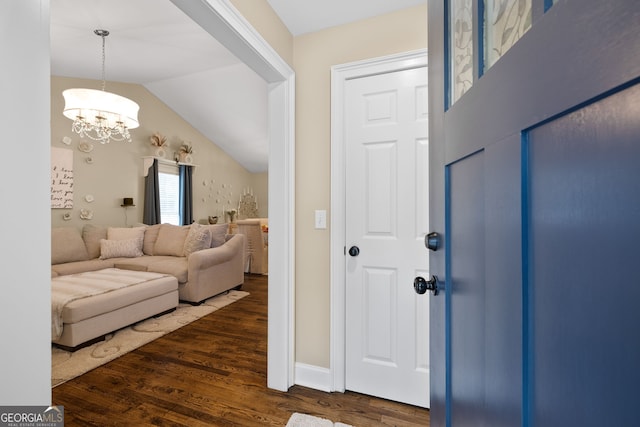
{"points": [[67, 245], [81, 266], [150, 237], [198, 238], [122, 233], [173, 265], [218, 234], [122, 265], [171, 240], [126, 248], [91, 234]]}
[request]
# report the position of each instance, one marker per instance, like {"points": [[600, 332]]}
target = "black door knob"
{"points": [[421, 285], [354, 251], [432, 241]]}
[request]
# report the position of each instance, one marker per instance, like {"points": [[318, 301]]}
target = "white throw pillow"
{"points": [[126, 248], [199, 238]]}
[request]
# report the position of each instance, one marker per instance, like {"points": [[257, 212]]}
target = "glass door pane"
{"points": [[505, 22], [461, 42]]}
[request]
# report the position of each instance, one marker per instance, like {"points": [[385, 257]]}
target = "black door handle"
{"points": [[421, 285], [354, 251], [432, 241]]}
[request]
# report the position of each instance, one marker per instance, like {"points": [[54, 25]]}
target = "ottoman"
{"points": [[87, 306]]}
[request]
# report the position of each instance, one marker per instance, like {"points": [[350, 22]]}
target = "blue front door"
{"points": [[535, 189]]}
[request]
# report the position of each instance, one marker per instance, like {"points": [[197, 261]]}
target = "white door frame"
{"points": [[220, 19], [339, 76]]}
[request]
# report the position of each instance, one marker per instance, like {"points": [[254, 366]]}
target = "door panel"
{"points": [[380, 188], [466, 287], [386, 209], [484, 297], [380, 316], [584, 196]]}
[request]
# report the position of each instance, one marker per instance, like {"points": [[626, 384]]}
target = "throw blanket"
{"points": [[65, 289]]}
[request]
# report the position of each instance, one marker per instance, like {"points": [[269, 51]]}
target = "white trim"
{"points": [[314, 377], [339, 76], [220, 19], [225, 23], [281, 319]]}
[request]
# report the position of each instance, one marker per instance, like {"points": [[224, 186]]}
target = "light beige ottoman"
{"points": [[87, 306]]}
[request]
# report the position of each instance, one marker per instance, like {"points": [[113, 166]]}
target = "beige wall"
{"points": [[314, 54], [262, 17], [117, 168], [260, 185]]}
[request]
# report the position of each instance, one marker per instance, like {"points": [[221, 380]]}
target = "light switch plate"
{"points": [[321, 220]]}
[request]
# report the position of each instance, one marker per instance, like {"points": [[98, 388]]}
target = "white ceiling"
{"points": [[153, 43], [306, 16]]}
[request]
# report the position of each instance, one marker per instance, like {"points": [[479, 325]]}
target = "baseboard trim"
{"points": [[314, 377]]}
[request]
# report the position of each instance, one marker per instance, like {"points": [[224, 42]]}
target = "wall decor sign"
{"points": [[61, 178]]}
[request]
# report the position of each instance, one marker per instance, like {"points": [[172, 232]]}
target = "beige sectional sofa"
{"points": [[201, 273], [166, 263]]}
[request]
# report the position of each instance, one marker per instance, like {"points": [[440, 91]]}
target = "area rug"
{"points": [[67, 365], [304, 420]]}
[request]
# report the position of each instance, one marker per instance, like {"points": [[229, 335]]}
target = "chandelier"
{"points": [[100, 115]]}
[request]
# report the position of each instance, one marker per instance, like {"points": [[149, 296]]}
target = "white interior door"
{"points": [[387, 323]]}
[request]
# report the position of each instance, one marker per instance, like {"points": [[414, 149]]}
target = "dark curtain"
{"points": [[151, 213], [186, 192]]}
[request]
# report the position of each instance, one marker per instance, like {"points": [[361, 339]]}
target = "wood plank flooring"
{"points": [[213, 372]]}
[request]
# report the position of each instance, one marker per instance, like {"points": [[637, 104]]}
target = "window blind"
{"points": [[169, 182]]}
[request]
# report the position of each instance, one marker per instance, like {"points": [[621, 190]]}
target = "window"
{"points": [[169, 182]]}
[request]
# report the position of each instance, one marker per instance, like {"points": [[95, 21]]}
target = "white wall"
{"points": [[24, 107], [229, 104]]}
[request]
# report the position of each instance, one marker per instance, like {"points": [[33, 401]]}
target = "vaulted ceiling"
{"points": [[153, 43]]}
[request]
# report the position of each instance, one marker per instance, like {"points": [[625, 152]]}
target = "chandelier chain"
{"points": [[103, 34], [103, 61]]}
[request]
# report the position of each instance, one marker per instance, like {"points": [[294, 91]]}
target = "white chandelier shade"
{"points": [[100, 115]]}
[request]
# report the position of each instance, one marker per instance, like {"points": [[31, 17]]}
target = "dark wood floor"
{"points": [[213, 372]]}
